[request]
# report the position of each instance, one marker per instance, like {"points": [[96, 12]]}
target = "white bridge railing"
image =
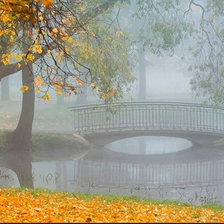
{"points": [[146, 116]]}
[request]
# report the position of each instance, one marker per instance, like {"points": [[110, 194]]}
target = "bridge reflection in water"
{"points": [[196, 182]]}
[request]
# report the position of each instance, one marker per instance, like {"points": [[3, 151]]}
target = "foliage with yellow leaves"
{"points": [[64, 41]]}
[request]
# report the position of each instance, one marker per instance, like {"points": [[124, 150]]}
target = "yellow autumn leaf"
{"points": [[103, 96], [58, 85], [37, 90], [59, 58], [64, 21], [5, 59], [11, 39], [5, 18], [80, 82], [18, 57], [47, 3], [38, 81], [58, 91], [46, 97], [24, 88], [30, 57], [39, 49], [55, 30], [67, 51], [64, 38], [69, 40], [41, 18], [93, 85], [112, 92]]}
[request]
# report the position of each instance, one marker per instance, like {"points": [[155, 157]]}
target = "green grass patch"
{"points": [[213, 206], [50, 146]]}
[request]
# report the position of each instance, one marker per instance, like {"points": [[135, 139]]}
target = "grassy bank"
{"points": [[50, 146], [25, 205]]}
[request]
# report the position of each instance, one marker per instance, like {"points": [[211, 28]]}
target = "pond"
{"points": [[197, 183], [149, 145]]}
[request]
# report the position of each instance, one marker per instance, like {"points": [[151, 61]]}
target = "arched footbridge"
{"points": [[99, 118], [172, 170]]}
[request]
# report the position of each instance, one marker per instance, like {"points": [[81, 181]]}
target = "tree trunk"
{"points": [[5, 89], [18, 156], [142, 76]]}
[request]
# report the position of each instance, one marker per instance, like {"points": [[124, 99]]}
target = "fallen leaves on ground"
{"points": [[24, 205]]}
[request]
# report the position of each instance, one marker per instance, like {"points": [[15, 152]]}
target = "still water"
{"points": [[197, 183], [149, 145]]}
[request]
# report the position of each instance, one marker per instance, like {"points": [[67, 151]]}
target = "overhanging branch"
{"points": [[13, 68]]}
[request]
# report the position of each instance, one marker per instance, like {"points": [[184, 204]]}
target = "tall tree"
{"points": [[18, 150], [59, 38]]}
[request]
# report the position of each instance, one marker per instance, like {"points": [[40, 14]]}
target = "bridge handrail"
{"points": [[148, 115], [128, 103]]}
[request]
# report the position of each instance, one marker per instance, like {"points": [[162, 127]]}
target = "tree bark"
{"points": [[18, 156], [5, 89]]}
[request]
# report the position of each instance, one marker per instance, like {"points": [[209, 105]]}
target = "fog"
{"points": [[166, 79], [71, 133]]}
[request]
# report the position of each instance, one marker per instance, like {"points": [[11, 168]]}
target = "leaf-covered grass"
{"points": [[26, 205]]}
